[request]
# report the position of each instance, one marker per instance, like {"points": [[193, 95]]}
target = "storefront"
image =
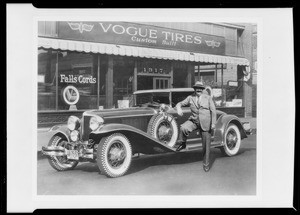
{"points": [[95, 65]]}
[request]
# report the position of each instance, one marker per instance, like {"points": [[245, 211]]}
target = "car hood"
{"points": [[107, 113], [133, 111]]}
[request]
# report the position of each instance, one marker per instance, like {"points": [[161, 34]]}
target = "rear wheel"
{"points": [[60, 163], [232, 141], [114, 155], [164, 128]]}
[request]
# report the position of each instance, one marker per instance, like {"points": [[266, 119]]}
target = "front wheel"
{"points": [[114, 155], [232, 141], [60, 163]]}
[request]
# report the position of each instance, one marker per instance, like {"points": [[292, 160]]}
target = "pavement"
{"points": [[44, 134]]}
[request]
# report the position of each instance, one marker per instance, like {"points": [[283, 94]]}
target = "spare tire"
{"points": [[164, 128]]}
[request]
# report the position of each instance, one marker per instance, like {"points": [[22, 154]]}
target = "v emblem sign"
{"points": [[71, 95]]}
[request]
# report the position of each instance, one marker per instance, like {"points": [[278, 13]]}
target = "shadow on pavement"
{"points": [[88, 167], [169, 159], [145, 161]]}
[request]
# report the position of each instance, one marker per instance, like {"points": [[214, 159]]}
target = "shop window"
{"points": [[179, 74], [46, 79], [225, 92], [58, 70], [206, 74], [230, 93], [123, 79], [77, 69]]}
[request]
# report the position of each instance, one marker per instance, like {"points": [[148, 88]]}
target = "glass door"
{"points": [[161, 83]]}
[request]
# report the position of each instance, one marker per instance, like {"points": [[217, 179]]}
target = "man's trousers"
{"points": [[187, 127]]}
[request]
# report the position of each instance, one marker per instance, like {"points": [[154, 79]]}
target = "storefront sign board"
{"points": [[133, 34]]}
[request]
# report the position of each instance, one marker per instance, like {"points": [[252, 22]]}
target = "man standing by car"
{"points": [[203, 118]]}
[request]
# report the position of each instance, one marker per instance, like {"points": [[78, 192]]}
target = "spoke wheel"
{"points": [[114, 155], [164, 131], [232, 140], [60, 163]]}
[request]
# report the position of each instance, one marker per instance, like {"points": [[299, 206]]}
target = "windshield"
{"points": [[179, 96], [152, 98]]}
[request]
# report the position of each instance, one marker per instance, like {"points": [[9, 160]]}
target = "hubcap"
{"points": [[116, 154], [231, 139], [164, 132]]}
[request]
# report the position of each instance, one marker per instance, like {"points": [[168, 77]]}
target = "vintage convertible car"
{"points": [[111, 137]]}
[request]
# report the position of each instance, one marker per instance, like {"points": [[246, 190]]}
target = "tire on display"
{"points": [[164, 128], [114, 155], [60, 163], [232, 140]]}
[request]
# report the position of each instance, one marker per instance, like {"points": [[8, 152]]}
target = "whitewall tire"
{"points": [[114, 155], [232, 140]]}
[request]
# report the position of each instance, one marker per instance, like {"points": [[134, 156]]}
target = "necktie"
{"points": [[198, 101]]}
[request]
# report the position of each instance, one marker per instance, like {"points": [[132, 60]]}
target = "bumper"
{"points": [[247, 127], [61, 151]]}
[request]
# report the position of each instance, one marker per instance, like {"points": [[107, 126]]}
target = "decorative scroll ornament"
{"points": [[81, 27], [212, 43]]}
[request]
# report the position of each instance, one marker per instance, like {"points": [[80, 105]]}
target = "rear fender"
{"points": [[141, 141], [222, 124]]}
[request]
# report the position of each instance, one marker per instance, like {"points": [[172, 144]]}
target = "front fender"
{"points": [[141, 141], [221, 125], [61, 130]]}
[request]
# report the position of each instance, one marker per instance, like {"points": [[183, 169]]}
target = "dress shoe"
{"points": [[181, 146], [206, 168]]}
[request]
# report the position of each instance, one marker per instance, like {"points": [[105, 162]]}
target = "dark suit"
{"points": [[203, 116]]}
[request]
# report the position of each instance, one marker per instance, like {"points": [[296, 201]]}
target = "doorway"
{"points": [[161, 83]]}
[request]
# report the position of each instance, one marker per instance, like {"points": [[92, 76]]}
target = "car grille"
{"points": [[85, 127]]}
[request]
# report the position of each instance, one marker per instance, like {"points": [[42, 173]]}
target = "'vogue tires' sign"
{"points": [[124, 33]]}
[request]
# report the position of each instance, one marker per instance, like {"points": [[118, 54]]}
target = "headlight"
{"points": [[73, 123], [96, 122], [74, 135]]}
